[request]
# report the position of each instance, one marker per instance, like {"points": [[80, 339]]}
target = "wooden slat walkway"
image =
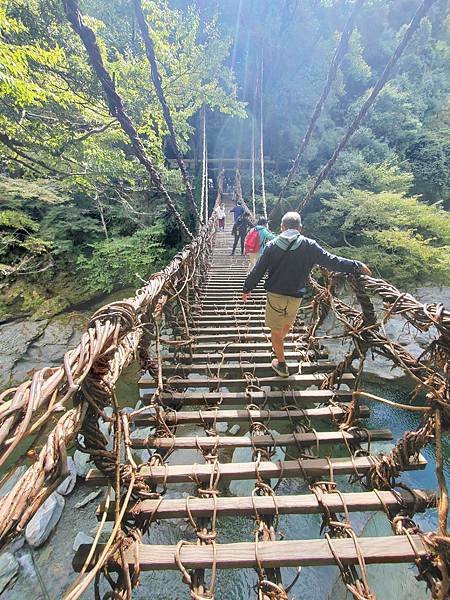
{"points": [[304, 504], [223, 378], [305, 553]]}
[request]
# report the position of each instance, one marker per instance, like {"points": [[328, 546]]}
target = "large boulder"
{"points": [[9, 567], [44, 521], [66, 487]]}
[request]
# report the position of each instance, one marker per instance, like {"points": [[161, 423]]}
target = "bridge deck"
{"points": [[228, 365]]}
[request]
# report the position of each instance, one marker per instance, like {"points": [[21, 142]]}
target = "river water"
{"points": [[46, 573]]}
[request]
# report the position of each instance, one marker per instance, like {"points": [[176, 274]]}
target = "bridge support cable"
{"points": [[253, 167], [156, 78], [335, 62], [204, 201], [261, 134], [414, 24], [116, 106]]}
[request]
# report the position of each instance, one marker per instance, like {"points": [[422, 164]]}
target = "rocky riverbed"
{"points": [[38, 564]]}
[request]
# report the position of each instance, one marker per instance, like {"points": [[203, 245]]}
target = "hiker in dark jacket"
{"points": [[237, 210], [239, 231], [288, 260]]}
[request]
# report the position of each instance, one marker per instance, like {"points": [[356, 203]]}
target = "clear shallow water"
{"points": [[390, 582], [397, 582]]}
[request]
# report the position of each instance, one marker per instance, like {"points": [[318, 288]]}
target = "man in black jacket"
{"points": [[288, 260], [240, 229]]}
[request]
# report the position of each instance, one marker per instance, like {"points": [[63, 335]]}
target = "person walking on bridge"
{"points": [[256, 241], [237, 210], [220, 213], [239, 231], [288, 261]]}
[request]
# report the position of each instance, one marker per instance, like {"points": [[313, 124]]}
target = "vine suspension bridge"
{"points": [[207, 386], [215, 373]]}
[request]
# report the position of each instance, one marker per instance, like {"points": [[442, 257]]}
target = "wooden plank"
{"points": [[224, 321], [144, 418], [236, 336], [213, 346], [232, 329], [312, 467], [231, 300], [259, 441], [294, 381], [198, 312], [257, 357], [290, 397], [293, 553], [304, 504], [260, 369]]}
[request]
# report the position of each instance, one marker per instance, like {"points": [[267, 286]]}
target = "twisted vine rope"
{"points": [[87, 377]]}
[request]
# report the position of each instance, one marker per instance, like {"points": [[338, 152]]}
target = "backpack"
{"points": [[252, 242]]}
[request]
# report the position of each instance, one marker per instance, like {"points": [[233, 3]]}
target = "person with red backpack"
{"points": [[256, 241]]}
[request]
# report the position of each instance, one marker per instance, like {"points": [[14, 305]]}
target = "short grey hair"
{"points": [[291, 220]]}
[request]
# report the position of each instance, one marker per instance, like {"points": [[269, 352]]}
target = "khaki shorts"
{"points": [[281, 310]]}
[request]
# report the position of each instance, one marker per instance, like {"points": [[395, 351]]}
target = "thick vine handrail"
{"points": [[110, 343]]}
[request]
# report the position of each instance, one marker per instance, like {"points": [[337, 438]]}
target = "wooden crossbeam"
{"points": [[312, 467], [303, 504], [230, 416], [259, 441], [232, 329], [290, 397], [293, 381], [256, 357], [244, 555], [228, 320], [235, 336], [214, 346], [260, 369]]}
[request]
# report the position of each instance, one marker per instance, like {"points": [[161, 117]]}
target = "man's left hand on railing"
{"points": [[364, 270]]}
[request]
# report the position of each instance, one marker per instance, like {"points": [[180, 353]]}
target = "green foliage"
{"points": [[43, 190], [73, 193], [14, 219], [119, 262], [401, 238], [17, 62]]}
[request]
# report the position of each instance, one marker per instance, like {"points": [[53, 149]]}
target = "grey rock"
{"points": [[80, 539], [15, 339], [82, 465], [221, 427], [8, 485], [66, 487], [15, 545], [88, 498], [234, 429], [9, 568], [106, 429], [142, 433], [44, 521]]}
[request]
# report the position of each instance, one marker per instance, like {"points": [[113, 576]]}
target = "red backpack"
{"points": [[252, 242]]}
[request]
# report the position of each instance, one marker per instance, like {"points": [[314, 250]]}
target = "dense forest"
{"points": [[79, 217]]}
